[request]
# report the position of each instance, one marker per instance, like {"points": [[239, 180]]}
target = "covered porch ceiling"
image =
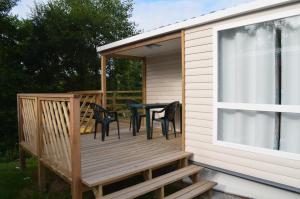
{"points": [[162, 45]]}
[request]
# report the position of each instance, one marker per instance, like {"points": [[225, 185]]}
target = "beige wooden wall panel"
{"points": [[164, 79], [199, 117]]}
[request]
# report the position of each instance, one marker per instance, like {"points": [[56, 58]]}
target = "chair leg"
{"points": [[174, 127], [96, 125], [107, 129], [103, 131], [167, 129], [130, 123], [151, 131], [163, 127], [139, 124], [118, 128]]}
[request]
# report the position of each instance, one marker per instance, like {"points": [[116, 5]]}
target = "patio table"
{"points": [[147, 108]]}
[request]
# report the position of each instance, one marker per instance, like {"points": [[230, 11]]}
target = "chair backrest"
{"points": [[170, 110], [99, 112]]}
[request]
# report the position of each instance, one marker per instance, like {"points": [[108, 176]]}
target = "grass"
{"points": [[17, 184]]}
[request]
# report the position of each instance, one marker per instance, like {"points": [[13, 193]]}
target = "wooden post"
{"points": [[21, 134], [114, 100], [183, 89], [39, 133], [103, 80], [98, 192], [144, 88], [76, 186], [160, 193], [147, 174], [144, 65]]}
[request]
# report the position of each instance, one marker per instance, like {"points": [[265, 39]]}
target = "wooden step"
{"points": [[154, 184], [193, 191], [118, 172]]}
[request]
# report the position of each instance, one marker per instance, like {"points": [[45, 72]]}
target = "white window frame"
{"points": [[247, 106]]}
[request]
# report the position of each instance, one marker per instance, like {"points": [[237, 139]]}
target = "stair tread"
{"points": [[192, 190], [153, 184]]}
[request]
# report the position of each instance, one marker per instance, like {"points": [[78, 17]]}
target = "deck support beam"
{"points": [[103, 80], [41, 176], [195, 178], [98, 192], [22, 158], [160, 193], [183, 89], [147, 174], [76, 185]]}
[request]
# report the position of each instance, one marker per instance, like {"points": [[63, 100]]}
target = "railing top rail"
{"points": [[87, 92], [49, 95], [136, 91]]}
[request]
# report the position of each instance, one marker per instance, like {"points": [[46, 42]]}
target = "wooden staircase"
{"points": [[158, 185]]}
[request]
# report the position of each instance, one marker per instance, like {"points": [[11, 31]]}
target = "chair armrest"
{"points": [[154, 112], [158, 111]]}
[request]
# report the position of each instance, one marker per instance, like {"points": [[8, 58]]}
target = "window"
{"points": [[257, 101]]}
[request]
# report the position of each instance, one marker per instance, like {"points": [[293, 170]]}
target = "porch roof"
{"points": [[203, 19]]}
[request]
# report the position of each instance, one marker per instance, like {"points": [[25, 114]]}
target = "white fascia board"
{"points": [[208, 18]]}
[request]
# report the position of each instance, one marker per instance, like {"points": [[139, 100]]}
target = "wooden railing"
{"points": [[49, 128], [87, 123], [116, 100]]}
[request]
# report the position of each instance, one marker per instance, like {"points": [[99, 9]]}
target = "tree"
{"points": [[55, 51], [61, 52]]}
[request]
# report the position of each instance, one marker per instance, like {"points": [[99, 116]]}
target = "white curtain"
{"points": [[247, 75], [290, 123]]}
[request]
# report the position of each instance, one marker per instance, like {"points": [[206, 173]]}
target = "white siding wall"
{"points": [[163, 82], [199, 119]]}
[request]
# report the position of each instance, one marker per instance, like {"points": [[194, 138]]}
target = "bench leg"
{"points": [[160, 193], [98, 192]]}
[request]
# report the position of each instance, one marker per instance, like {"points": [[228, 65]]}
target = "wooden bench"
{"points": [[155, 184], [193, 191]]}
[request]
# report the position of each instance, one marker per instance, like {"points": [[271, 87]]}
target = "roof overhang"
{"points": [[258, 5]]}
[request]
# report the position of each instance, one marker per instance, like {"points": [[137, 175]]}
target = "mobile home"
{"points": [[236, 73]]}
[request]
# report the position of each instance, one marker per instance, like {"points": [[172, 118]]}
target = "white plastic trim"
{"points": [[246, 106], [208, 18]]}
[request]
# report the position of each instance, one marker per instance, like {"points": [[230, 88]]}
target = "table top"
{"points": [[151, 105]]}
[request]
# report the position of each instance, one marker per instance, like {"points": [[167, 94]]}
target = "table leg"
{"points": [[134, 122], [148, 128]]}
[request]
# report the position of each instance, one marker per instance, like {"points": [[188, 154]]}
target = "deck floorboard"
{"points": [[106, 162]]}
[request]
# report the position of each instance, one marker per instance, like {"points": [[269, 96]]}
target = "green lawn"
{"points": [[17, 184]]}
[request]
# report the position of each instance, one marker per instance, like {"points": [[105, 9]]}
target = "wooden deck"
{"points": [[113, 160]]}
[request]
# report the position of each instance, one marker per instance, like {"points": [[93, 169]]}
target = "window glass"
{"points": [[248, 127], [247, 64]]}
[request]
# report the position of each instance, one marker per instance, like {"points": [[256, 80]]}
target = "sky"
{"points": [[151, 14]]}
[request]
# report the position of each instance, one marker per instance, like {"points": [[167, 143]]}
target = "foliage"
{"points": [[54, 50]]}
